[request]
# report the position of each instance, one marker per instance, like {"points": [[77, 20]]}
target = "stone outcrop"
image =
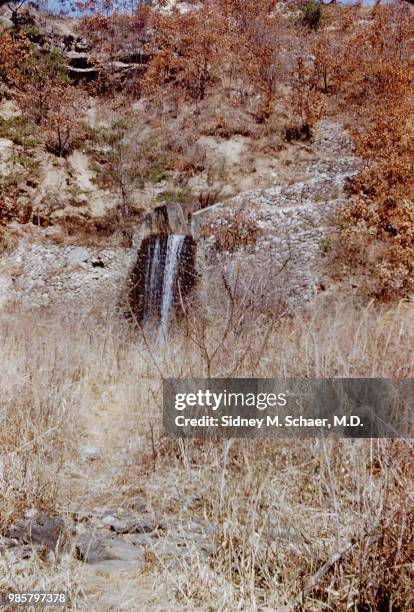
{"points": [[79, 66], [60, 34], [166, 219]]}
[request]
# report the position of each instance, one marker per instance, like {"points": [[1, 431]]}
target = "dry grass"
{"points": [[277, 511], [308, 525], [38, 391]]}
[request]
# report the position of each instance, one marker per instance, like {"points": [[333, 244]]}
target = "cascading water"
{"points": [[174, 246], [162, 276]]}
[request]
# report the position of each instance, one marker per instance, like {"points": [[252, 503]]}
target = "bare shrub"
{"points": [[308, 104], [226, 123], [234, 229], [52, 103], [193, 160], [208, 197]]}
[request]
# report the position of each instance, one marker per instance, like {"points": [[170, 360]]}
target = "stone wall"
{"points": [[71, 276], [283, 263]]}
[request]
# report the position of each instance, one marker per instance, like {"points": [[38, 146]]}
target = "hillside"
{"points": [[202, 190]]}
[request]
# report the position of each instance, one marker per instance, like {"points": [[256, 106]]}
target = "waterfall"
{"points": [[163, 274], [174, 246]]}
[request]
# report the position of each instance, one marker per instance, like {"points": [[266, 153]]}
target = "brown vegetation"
{"points": [[13, 52], [262, 61], [234, 229], [303, 525], [279, 512], [378, 223]]}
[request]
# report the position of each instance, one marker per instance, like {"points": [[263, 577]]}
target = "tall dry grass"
{"points": [[308, 524]]}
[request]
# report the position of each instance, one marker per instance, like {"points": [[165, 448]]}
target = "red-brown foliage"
{"points": [[378, 224], [13, 51]]}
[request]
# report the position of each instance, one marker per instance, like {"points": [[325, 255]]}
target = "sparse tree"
{"points": [[13, 52]]}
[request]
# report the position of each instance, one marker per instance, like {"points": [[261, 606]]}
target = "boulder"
{"points": [[134, 524], [96, 550], [6, 23], [88, 74], [78, 60], [41, 530], [166, 219]]}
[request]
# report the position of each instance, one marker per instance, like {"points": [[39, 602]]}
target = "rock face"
{"points": [[166, 219], [271, 243], [162, 276], [87, 74], [6, 23]]}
